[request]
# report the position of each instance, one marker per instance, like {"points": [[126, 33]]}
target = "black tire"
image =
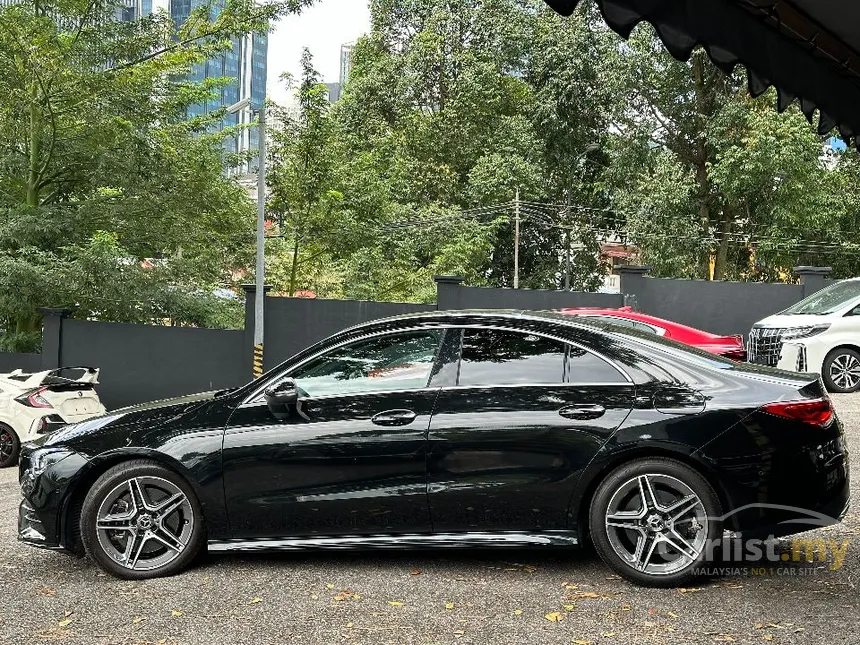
{"points": [[835, 371], [624, 486], [10, 446], [111, 498]]}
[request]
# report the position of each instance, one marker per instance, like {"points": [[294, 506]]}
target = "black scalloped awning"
{"points": [[806, 49]]}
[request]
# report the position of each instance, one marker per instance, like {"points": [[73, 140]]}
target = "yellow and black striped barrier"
{"points": [[258, 361]]}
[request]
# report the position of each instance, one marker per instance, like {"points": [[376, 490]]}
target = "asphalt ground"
{"points": [[489, 596]]}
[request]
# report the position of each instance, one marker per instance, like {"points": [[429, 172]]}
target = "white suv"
{"points": [[820, 334]]}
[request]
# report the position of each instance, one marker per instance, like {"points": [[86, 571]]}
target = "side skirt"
{"points": [[404, 541]]}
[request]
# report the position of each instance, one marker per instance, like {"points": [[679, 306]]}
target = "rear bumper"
{"points": [[783, 487]]}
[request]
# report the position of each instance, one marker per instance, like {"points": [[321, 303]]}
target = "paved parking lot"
{"points": [[493, 597]]}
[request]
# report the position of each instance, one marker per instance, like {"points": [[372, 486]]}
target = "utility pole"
{"points": [[517, 240], [567, 245], [260, 295]]}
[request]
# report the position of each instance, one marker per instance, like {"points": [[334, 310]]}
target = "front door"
{"points": [[510, 439], [351, 459]]}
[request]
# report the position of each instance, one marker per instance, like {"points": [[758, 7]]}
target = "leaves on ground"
{"points": [[255, 600], [395, 603], [176, 612], [415, 572], [518, 612], [554, 617], [689, 590], [449, 605], [346, 594]]}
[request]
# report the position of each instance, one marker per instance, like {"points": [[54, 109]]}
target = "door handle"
{"points": [[394, 418], [582, 412]]}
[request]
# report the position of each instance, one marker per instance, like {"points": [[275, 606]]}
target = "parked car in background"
{"points": [[452, 429], [727, 346], [35, 404], [819, 334]]}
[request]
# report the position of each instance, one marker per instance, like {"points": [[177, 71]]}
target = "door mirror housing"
{"points": [[281, 396]]}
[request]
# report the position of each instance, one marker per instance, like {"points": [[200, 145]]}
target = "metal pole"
{"points": [[260, 295], [517, 241], [567, 247]]}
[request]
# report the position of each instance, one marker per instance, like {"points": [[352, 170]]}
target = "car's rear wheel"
{"points": [[10, 446], [653, 521], [141, 520], [842, 370]]}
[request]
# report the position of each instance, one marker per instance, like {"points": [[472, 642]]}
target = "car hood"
{"points": [[116, 423], [784, 321]]}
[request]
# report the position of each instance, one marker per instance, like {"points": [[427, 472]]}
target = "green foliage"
{"points": [[100, 167]]}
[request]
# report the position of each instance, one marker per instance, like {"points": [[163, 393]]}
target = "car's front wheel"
{"points": [[141, 520], [10, 446], [842, 370], [655, 521]]}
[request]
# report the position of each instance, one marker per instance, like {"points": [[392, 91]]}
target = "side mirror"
{"points": [[280, 397]]}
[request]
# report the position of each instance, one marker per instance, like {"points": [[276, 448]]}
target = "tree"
{"points": [[97, 153]]}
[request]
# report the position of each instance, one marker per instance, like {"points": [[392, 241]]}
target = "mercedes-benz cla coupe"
{"points": [[452, 429]]}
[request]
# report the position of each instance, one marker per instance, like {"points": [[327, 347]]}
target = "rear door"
{"points": [[509, 440]]}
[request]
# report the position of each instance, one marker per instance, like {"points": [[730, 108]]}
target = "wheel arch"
{"points": [[70, 530], [597, 472]]}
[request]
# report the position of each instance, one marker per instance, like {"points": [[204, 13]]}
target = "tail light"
{"points": [[34, 399], [817, 412]]}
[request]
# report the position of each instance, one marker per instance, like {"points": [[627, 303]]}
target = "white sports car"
{"points": [[35, 404]]}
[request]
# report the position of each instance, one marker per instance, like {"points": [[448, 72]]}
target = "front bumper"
{"points": [[46, 494]]}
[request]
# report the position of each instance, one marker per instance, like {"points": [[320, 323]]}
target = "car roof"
{"points": [[457, 315]]}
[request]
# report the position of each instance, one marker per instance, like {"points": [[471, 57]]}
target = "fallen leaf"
{"points": [[329, 586], [518, 612], [569, 607], [759, 626], [626, 607], [653, 611], [554, 617], [775, 626], [449, 605], [64, 623], [255, 600], [567, 585], [395, 603], [138, 619], [588, 594], [415, 572], [648, 623], [46, 591], [350, 625], [175, 612], [725, 638], [672, 614], [768, 637], [799, 629], [459, 632], [689, 590], [608, 634], [67, 613]]}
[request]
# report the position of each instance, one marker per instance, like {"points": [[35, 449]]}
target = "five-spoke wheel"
{"points": [[141, 520], [651, 521]]}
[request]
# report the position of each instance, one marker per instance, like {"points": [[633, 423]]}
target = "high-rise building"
{"points": [[345, 62], [245, 63]]}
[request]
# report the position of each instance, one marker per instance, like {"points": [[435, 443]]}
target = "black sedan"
{"points": [[452, 429]]}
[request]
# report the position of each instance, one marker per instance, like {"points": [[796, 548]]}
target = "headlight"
{"points": [[804, 332], [42, 458]]}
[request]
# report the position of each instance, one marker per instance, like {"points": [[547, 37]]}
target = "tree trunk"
{"points": [[723, 248], [294, 268], [35, 145]]}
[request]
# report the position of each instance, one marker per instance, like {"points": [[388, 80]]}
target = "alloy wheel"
{"points": [[7, 445], [845, 371], [144, 523], [656, 524]]}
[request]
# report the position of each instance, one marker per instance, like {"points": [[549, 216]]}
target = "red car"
{"points": [[727, 346]]}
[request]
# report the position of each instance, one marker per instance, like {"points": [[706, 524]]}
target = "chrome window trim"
{"points": [[253, 399]]}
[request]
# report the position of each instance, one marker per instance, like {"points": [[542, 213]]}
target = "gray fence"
{"points": [[142, 362]]}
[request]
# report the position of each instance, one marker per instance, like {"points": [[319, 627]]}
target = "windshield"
{"points": [[828, 300]]}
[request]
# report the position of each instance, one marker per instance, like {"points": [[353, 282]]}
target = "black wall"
{"points": [[144, 363], [452, 295], [718, 307], [27, 362]]}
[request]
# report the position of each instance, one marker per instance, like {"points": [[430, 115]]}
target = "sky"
{"points": [[323, 28]]}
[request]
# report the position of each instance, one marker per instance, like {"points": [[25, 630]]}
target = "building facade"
{"points": [[245, 64]]}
